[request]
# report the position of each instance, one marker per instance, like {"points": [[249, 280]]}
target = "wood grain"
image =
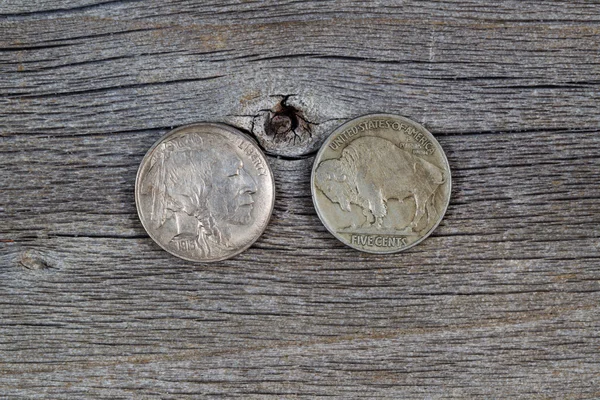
{"points": [[502, 301]]}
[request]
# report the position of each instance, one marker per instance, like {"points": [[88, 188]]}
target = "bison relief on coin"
{"points": [[204, 192], [381, 183]]}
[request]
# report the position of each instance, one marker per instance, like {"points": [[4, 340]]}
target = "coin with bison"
{"points": [[381, 183]]}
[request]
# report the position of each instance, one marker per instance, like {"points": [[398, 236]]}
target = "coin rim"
{"points": [[203, 125], [341, 129]]}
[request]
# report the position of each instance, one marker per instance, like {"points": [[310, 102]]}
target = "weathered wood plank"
{"points": [[196, 64], [502, 301]]}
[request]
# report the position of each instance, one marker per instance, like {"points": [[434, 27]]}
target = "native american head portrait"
{"points": [[200, 190]]}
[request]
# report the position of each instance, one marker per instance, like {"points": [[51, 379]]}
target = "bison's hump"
{"points": [[370, 144], [383, 158], [375, 153]]}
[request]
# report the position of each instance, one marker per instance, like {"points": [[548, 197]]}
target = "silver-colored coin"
{"points": [[381, 183], [204, 192]]}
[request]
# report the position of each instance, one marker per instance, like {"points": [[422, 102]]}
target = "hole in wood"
{"points": [[286, 123]]}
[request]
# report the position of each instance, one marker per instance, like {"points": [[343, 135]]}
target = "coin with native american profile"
{"points": [[205, 192], [381, 183]]}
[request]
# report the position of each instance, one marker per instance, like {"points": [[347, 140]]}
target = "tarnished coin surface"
{"points": [[204, 192], [381, 183]]}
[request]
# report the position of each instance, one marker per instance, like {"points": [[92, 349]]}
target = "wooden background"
{"points": [[502, 301]]}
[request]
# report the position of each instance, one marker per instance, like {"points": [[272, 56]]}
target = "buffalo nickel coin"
{"points": [[204, 192], [381, 183]]}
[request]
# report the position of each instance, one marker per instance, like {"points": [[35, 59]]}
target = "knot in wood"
{"points": [[292, 125], [36, 260], [286, 124], [280, 124]]}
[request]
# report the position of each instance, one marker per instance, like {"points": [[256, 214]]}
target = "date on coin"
{"points": [[381, 183], [204, 192]]}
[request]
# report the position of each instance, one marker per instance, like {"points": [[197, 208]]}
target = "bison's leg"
{"points": [[372, 200], [379, 211], [420, 204], [431, 212], [369, 217]]}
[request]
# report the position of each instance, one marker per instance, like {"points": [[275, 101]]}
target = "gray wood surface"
{"points": [[502, 301]]}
